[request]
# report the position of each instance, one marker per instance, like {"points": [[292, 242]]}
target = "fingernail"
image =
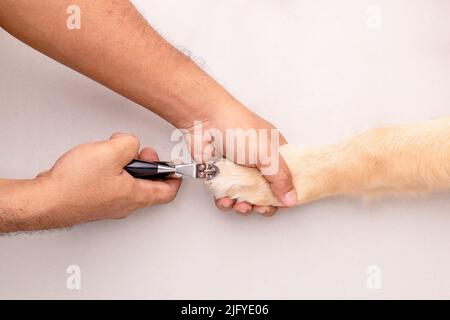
{"points": [[261, 210], [243, 210], [290, 198], [226, 203]]}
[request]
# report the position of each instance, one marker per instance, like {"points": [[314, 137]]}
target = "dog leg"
{"points": [[412, 158]]}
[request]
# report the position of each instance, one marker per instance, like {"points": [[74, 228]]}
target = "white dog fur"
{"points": [[408, 158]]}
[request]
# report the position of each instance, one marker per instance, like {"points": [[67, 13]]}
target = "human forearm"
{"points": [[117, 47], [24, 205]]}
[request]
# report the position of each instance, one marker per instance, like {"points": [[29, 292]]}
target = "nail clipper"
{"points": [[164, 170]]}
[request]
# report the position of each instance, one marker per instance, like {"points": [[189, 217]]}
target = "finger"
{"points": [[266, 211], [243, 208], [125, 147], [224, 204], [156, 192], [281, 184], [148, 154]]}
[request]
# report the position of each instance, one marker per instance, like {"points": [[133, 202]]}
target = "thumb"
{"points": [[125, 147], [281, 184]]}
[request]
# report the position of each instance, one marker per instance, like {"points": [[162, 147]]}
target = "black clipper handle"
{"points": [[147, 170]]}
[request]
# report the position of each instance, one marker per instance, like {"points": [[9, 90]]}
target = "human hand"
{"points": [[89, 183], [233, 115]]}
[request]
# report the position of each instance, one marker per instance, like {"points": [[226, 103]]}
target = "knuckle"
{"points": [[128, 140], [132, 139]]}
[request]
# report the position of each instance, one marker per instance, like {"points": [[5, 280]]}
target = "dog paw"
{"points": [[241, 183], [247, 184]]}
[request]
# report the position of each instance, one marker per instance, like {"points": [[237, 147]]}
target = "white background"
{"points": [[319, 70]]}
